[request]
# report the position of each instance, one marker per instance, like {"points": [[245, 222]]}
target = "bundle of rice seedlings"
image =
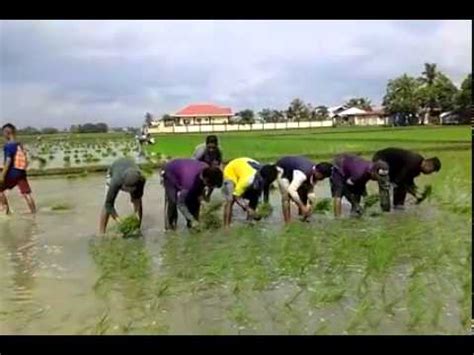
{"points": [[209, 217], [323, 205], [425, 194], [371, 200], [129, 227], [60, 207], [264, 210]]}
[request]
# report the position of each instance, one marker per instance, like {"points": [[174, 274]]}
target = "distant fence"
{"points": [[240, 127]]}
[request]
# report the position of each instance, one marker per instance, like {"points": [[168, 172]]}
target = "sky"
{"points": [[58, 73]]}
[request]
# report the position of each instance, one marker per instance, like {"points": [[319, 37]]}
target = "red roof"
{"points": [[204, 110]]}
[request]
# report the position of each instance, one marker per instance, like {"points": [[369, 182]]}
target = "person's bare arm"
{"points": [[337, 206], [228, 212], [138, 208], [6, 167]]}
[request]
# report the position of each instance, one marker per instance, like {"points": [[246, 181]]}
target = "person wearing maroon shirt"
{"points": [[349, 177], [184, 181], [297, 176], [404, 166]]}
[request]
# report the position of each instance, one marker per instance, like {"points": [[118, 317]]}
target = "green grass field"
{"points": [[318, 142]]}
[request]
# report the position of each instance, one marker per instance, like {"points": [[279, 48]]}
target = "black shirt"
{"points": [[404, 165]]}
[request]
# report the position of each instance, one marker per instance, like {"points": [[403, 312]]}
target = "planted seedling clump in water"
{"points": [[129, 227]]}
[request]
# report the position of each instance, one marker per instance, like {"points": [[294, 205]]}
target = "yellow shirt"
{"points": [[241, 173]]}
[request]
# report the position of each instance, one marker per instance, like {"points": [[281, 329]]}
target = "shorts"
{"points": [[20, 181]]}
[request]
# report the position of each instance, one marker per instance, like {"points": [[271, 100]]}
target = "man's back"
{"points": [[402, 163]]}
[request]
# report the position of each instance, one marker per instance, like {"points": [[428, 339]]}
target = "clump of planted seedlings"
{"points": [[129, 227]]}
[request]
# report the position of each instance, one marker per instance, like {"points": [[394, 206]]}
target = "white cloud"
{"points": [[56, 72]]}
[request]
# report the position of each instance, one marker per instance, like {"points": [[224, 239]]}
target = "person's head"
{"points": [[323, 170], [211, 143], [212, 177], [8, 131], [133, 179], [430, 165]]}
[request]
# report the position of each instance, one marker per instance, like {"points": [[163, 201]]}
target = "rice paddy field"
{"points": [[405, 272]]}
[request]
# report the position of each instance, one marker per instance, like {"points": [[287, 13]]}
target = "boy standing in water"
{"points": [[123, 175], [184, 181], [297, 176], [14, 169], [349, 177]]}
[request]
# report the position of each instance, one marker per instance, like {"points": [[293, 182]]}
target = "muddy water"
{"points": [[57, 278]]}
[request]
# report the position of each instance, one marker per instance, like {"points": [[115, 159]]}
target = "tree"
{"points": [[246, 116], [148, 119], [463, 99], [271, 116], [360, 102], [321, 113], [437, 92], [298, 111], [402, 99], [28, 130], [49, 130], [89, 128]]}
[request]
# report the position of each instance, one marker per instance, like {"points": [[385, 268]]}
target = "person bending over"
{"points": [[246, 179], [349, 177], [126, 176], [404, 166], [184, 181], [14, 169], [297, 177]]}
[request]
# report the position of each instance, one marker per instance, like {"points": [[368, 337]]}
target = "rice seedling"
{"points": [[209, 218], [61, 206], [323, 205], [129, 227], [264, 210]]}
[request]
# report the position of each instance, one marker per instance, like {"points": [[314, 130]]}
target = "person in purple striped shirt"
{"points": [[184, 181], [350, 175]]}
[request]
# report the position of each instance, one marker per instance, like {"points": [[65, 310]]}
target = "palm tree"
{"points": [[428, 78]]}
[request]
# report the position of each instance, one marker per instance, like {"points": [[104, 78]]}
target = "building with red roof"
{"points": [[196, 114]]}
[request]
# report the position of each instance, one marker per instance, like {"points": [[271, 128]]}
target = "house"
{"points": [[200, 114], [358, 117]]}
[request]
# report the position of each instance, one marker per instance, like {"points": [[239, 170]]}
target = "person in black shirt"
{"points": [[404, 167]]}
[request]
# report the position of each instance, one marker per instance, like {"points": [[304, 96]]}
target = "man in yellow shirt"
{"points": [[245, 178]]}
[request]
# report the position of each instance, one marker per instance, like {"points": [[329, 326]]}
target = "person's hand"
{"points": [[194, 225], [306, 211]]}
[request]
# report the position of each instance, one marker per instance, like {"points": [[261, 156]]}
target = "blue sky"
{"points": [[58, 73]]}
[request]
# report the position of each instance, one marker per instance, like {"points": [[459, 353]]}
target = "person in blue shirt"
{"points": [[14, 169]]}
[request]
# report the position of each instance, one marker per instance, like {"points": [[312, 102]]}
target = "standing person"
{"points": [[14, 169], [209, 152], [404, 167], [123, 175], [349, 177], [184, 181], [245, 178], [296, 178]]}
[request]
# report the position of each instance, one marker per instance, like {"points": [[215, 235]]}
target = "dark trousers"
{"points": [[399, 195], [171, 207]]}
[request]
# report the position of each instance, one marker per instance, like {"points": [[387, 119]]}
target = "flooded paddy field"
{"points": [[407, 272]]}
